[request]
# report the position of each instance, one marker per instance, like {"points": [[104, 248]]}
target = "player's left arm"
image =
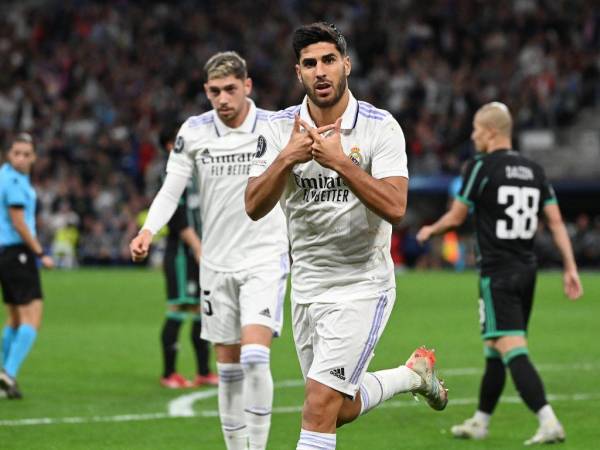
{"points": [[385, 195], [16, 198], [17, 218], [455, 217], [571, 282], [192, 240], [180, 225]]}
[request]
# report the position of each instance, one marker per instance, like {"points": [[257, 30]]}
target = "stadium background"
{"points": [[95, 82]]}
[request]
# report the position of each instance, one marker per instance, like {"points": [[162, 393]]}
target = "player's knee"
{"points": [[343, 418], [321, 406], [349, 411], [506, 344], [255, 357]]}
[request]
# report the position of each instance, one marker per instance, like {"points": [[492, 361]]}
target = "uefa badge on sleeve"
{"points": [[261, 147], [179, 144]]}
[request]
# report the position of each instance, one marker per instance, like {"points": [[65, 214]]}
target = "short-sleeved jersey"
{"points": [[340, 248], [15, 191], [231, 241], [508, 192]]}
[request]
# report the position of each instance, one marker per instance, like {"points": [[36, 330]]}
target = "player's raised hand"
{"points": [[424, 234], [298, 147], [572, 284], [327, 149], [140, 246]]}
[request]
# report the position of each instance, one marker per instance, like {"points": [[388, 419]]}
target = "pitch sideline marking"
{"points": [[277, 410], [181, 407]]}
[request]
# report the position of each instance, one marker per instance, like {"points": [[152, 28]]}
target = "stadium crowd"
{"points": [[95, 82]]}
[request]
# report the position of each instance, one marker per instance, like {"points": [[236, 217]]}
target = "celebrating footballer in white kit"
{"points": [[244, 264], [338, 166]]}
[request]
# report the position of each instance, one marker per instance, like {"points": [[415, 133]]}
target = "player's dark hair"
{"points": [[318, 32], [167, 134]]}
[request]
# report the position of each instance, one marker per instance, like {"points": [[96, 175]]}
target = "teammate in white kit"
{"points": [[244, 264], [338, 167]]}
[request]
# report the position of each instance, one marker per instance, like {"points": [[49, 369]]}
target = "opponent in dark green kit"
{"points": [[507, 192]]}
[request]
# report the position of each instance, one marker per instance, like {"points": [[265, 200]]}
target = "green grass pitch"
{"points": [[91, 381]]}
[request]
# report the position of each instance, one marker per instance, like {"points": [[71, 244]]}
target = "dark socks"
{"points": [[492, 384], [201, 348], [526, 379], [169, 336]]}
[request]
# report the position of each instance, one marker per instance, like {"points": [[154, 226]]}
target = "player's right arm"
{"points": [[459, 209], [179, 169], [162, 208], [571, 282], [455, 217], [264, 191]]}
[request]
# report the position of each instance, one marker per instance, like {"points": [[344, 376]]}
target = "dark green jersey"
{"points": [[186, 214], [507, 192]]}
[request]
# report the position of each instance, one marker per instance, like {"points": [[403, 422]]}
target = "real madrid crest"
{"points": [[355, 156]]}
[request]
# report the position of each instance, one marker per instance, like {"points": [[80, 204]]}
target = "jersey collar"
{"points": [[9, 169], [247, 126], [348, 118]]}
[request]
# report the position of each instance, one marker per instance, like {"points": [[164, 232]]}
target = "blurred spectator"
{"points": [[586, 242], [94, 82]]}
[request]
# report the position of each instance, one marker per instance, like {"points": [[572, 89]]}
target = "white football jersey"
{"points": [[231, 241], [340, 249]]}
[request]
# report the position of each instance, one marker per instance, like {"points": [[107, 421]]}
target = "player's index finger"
{"points": [[325, 128], [314, 133], [297, 121], [338, 125]]}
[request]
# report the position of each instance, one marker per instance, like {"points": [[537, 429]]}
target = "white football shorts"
{"points": [[232, 300], [335, 341]]}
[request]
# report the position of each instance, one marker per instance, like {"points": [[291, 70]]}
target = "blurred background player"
{"points": [[19, 251], [244, 264], [339, 166], [182, 273], [507, 192]]}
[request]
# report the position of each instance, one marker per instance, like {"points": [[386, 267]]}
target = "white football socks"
{"points": [[377, 387], [482, 417], [546, 414], [258, 393], [312, 440], [231, 405]]}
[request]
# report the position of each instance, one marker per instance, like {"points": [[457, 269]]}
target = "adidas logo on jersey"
{"points": [[339, 373], [265, 312]]}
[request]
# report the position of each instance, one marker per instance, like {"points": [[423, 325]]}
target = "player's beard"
{"points": [[338, 92], [232, 114]]}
